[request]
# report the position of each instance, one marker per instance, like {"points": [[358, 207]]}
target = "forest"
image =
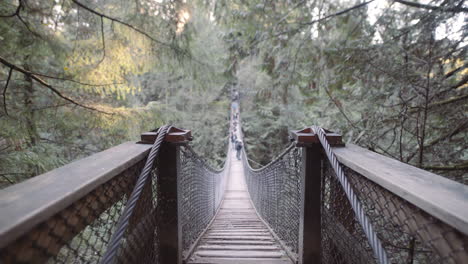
{"points": [[80, 76]]}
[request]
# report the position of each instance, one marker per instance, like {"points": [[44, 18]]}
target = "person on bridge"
{"points": [[233, 137], [238, 149], [235, 107], [235, 96]]}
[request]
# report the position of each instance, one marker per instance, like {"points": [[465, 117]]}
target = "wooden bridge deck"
{"points": [[237, 235]]}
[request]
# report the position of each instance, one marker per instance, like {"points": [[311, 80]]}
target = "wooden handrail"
{"points": [[33, 201], [438, 196]]}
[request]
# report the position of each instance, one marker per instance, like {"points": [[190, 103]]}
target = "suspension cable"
{"points": [[374, 241], [134, 197]]}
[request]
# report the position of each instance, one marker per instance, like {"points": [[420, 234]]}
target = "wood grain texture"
{"points": [[237, 235], [31, 202], [440, 197]]}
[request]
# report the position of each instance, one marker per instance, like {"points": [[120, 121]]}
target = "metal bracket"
{"points": [[175, 135], [306, 137]]}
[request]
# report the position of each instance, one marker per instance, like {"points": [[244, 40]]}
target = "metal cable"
{"points": [[273, 161], [374, 241], [134, 197]]}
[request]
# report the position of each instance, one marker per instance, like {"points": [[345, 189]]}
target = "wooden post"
{"points": [[310, 229], [169, 235], [169, 228], [310, 238]]}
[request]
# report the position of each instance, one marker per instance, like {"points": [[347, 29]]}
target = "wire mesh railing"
{"points": [[275, 190], [173, 207], [79, 233], [129, 217], [201, 188], [405, 233], [408, 234]]}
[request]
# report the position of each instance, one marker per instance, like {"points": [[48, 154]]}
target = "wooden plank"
{"points": [[438, 196], [239, 247], [238, 254], [250, 237], [31, 202], [236, 261], [238, 242], [237, 233]]}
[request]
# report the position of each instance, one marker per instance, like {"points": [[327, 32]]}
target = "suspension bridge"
{"points": [[157, 201]]}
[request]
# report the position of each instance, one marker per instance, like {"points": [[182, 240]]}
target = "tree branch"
{"points": [[103, 41], [295, 30], [5, 90], [7, 179], [452, 72], [338, 13], [456, 9], [16, 12], [338, 105], [451, 133], [440, 103], [120, 22], [18, 15], [71, 80], [460, 83], [48, 86], [461, 166], [182, 51]]}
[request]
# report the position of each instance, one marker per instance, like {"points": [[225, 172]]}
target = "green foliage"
{"points": [[171, 75], [385, 85], [388, 81]]}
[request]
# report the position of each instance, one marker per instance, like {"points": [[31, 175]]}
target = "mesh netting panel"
{"points": [[408, 234], [140, 242], [201, 190], [179, 189], [79, 233], [276, 193]]}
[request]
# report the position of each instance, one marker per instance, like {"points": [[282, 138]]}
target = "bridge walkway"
{"points": [[237, 235]]}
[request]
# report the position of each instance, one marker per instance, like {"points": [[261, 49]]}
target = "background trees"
{"points": [[78, 76], [390, 75]]}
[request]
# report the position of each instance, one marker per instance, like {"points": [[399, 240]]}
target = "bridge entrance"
{"points": [[160, 202]]}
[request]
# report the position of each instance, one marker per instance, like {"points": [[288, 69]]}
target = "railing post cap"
{"points": [[175, 135], [306, 137]]}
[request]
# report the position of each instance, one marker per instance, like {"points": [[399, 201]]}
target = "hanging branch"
{"points": [[162, 43], [457, 9], [462, 127], [16, 12], [4, 176], [340, 108], [5, 90], [71, 80], [48, 86], [338, 13], [296, 30], [18, 15], [103, 41], [120, 22]]}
